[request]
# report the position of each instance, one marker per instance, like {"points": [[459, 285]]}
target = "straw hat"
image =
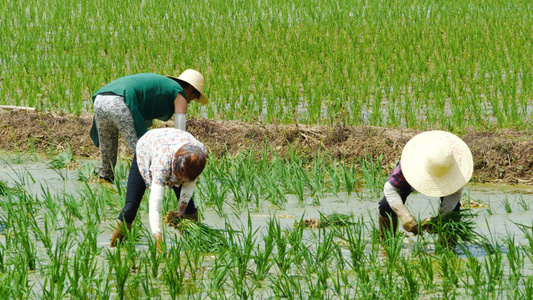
{"points": [[195, 79], [437, 163]]}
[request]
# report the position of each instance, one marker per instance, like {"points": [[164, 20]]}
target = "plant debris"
{"points": [[334, 219]]}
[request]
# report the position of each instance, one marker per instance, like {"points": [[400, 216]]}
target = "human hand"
{"points": [[181, 209], [409, 224]]}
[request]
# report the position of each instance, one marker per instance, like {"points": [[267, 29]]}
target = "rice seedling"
{"points": [[84, 267], [196, 235], [121, 171], [6, 189], [295, 183], [493, 268], [449, 269], [87, 172], [56, 272], [262, 256], [515, 257], [408, 275], [524, 204], [372, 174], [64, 159], [174, 272], [21, 178], [334, 178], [119, 267], [426, 272], [211, 190], [453, 227], [349, 178], [507, 205]]}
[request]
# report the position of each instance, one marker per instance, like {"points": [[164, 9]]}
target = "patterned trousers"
{"points": [[112, 116]]}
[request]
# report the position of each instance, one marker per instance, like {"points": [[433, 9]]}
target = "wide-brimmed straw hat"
{"points": [[195, 79], [437, 163]]}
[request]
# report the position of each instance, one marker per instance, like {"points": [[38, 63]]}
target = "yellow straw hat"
{"points": [[195, 79], [437, 163]]}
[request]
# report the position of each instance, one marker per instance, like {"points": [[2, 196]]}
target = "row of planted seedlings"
{"points": [[284, 61], [55, 245], [249, 179]]}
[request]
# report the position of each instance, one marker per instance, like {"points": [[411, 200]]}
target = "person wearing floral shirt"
{"points": [[164, 157], [129, 104]]}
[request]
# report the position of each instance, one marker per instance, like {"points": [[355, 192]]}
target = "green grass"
{"points": [[55, 246], [418, 64]]}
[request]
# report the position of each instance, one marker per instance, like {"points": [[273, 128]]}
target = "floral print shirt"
{"points": [[155, 155]]}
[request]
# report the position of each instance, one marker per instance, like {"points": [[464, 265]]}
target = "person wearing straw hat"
{"points": [[434, 163], [128, 106]]}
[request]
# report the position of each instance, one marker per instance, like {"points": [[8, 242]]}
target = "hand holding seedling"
{"points": [[181, 209], [407, 220]]}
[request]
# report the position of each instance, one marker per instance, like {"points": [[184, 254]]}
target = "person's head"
{"points": [[192, 83], [190, 92], [189, 162]]}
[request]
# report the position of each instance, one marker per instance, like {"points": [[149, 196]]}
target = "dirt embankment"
{"points": [[501, 156]]}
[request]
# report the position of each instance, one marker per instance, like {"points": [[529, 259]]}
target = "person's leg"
{"points": [[108, 137], [190, 212], [135, 189], [134, 193], [124, 122], [388, 220]]}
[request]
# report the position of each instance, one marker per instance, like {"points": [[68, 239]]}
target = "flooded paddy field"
{"points": [[56, 224]]}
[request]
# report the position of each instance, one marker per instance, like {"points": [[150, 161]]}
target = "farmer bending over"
{"points": [[164, 157], [129, 104], [436, 164]]}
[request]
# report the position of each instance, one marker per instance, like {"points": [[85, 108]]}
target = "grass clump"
{"points": [[455, 225], [197, 236]]}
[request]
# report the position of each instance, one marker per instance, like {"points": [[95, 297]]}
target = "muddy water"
{"points": [[505, 207]]}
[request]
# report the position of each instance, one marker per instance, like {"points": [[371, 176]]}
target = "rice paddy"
{"points": [[419, 64], [57, 229], [454, 66]]}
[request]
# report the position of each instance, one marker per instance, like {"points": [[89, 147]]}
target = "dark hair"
{"points": [[183, 84], [189, 162]]}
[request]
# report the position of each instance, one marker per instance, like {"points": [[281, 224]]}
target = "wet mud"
{"points": [[501, 156]]}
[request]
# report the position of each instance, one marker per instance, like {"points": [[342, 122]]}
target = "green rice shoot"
{"points": [[455, 225], [198, 236]]}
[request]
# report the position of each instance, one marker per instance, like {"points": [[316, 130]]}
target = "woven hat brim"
{"points": [[414, 164], [202, 99]]}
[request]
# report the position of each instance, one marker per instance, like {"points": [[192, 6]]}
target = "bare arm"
{"points": [[180, 109], [180, 105]]}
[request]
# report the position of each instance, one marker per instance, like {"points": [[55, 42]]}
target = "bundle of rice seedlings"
{"points": [[197, 236], [334, 219], [455, 226]]}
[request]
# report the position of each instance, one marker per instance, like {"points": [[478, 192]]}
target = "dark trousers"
{"points": [[386, 211], [135, 191]]}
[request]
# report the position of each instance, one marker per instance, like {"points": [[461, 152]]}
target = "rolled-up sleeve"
{"points": [[187, 189]]}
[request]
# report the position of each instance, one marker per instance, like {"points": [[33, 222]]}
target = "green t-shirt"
{"points": [[148, 96]]}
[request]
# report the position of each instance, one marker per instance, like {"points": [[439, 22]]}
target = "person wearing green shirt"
{"points": [[128, 105]]}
